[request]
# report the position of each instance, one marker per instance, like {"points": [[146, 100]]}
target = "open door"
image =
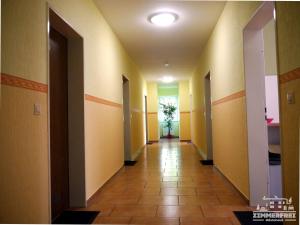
{"points": [[66, 117], [127, 118], [146, 120], [59, 140], [263, 135], [208, 121]]}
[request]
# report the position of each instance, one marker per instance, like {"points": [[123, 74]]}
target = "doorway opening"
{"points": [[262, 106], [208, 121], [66, 116], [127, 118], [168, 111], [146, 121]]}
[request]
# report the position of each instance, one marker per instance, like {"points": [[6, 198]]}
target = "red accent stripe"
{"points": [[102, 101], [23, 83], [229, 98], [289, 76], [184, 112]]}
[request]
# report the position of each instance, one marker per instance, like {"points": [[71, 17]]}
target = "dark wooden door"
{"points": [[59, 122]]}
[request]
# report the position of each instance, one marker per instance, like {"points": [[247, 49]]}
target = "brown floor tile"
{"points": [[119, 199], [198, 200], [105, 209], [178, 191], [158, 200], [111, 220], [222, 211], [187, 184], [155, 221], [136, 210], [204, 221], [215, 211], [227, 199], [168, 186], [179, 211], [168, 178]]}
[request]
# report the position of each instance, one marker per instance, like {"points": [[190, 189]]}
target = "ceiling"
{"points": [[150, 46]]}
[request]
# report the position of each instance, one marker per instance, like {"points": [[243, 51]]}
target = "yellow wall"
{"points": [[104, 156], [24, 157], [184, 109], [152, 107], [152, 99], [288, 44], [270, 48], [137, 105], [24, 137], [223, 58], [198, 120]]}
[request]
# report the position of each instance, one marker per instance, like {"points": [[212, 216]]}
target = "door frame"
{"points": [[208, 116], [127, 139], [146, 119], [257, 135], [77, 185]]}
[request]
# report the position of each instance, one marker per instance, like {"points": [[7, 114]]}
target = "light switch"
{"points": [[290, 97], [36, 109]]}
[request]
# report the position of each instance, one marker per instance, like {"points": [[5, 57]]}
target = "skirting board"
{"points": [[189, 141], [231, 183], [90, 200], [207, 162], [201, 153], [137, 153]]}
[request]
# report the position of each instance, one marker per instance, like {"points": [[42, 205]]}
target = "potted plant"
{"points": [[169, 111]]}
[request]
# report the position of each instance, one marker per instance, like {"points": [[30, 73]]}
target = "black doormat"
{"points": [[76, 217], [246, 218], [129, 163], [207, 162]]}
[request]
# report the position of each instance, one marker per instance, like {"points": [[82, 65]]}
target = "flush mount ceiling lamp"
{"points": [[163, 19], [167, 79]]}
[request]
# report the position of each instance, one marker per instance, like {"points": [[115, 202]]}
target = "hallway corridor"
{"points": [[86, 84], [168, 185]]}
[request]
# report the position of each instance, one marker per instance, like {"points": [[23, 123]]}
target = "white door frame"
{"points": [[255, 103]]}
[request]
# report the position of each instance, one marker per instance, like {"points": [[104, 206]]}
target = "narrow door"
{"points": [[126, 115], [208, 118], [146, 120], [59, 123]]}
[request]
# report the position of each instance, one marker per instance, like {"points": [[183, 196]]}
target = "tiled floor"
{"points": [[168, 185]]}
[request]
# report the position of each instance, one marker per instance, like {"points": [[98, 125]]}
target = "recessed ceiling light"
{"points": [[167, 79], [163, 19]]}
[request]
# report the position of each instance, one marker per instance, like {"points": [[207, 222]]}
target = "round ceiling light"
{"points": [[167, 79], [163, 19]]}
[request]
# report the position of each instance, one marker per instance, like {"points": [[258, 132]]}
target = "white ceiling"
{"points": [[151, 46]]}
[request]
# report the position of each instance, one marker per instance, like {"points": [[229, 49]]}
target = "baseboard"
{"points": [[201, 153], [153, 141], [231, 183], [90, 199], [204, 156], [207, 162], [137, 153], [129, 162], [185, 141]]}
